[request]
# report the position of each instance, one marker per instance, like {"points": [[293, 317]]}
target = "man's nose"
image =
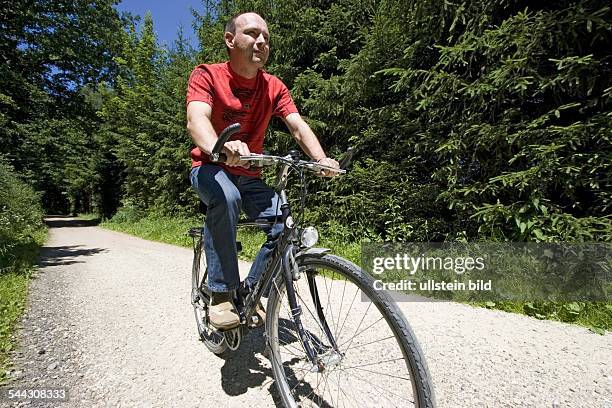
{"points": [[261, 40]]}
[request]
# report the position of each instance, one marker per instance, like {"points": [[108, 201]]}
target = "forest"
{"points": [[470, 121]]}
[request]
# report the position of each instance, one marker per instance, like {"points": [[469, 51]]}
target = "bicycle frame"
{"points": [[284, 254], [283, 260]]}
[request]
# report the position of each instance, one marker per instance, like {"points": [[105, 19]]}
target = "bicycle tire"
{"points": [[212, 339], [400, 356]]}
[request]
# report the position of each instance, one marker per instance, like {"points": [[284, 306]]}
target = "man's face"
{"points": [[251, 43]]}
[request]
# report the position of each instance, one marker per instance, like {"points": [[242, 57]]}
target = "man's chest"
{"points": [[239, 104]]}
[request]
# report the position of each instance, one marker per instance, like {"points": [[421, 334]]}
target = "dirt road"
{"points": [[109, 319]]}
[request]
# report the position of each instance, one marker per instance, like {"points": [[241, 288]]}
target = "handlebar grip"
{"points": [[346, 160], [216, 155]]}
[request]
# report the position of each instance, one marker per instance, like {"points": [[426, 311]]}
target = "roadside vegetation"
{"points": [[21, 235], [173, 230]]}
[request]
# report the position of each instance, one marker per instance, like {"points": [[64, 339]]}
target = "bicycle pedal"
{"points": [[256, 321]]}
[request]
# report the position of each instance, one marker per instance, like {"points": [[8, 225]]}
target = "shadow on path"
{"points": [[66, 255], [242, 370], [65, 221]]}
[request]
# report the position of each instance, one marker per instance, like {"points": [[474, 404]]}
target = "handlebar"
{"points": [[262, 160]]}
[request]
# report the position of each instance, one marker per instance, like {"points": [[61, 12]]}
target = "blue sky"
{"points": [[167, 15]]}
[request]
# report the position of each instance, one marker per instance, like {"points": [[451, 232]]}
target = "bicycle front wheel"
{"points": [[368, 355]]}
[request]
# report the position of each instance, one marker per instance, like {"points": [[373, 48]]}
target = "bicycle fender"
{"points": [[312, 252]]}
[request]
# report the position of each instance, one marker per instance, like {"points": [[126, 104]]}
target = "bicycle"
{"points": [[320, 345]]}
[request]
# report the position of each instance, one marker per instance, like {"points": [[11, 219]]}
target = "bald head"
{"points": [[230, 26]]}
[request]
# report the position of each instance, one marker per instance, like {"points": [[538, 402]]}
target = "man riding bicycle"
{"points": [[239, 91]]}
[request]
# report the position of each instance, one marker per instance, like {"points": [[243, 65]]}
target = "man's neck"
{"points": [[247, 72]]}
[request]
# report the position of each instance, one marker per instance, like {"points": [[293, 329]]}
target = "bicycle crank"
{"points": [[233, 337]]}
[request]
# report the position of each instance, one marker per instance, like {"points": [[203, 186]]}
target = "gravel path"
{"points": [[109, 318]]}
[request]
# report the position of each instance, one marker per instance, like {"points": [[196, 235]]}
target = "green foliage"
{"points": [[463, 115], [173, 230], [17, 264], [21, 234], [20, 214], [13, 290], [595, 315], [144, 123], [516, 106], [486, 120], [53, 52]]}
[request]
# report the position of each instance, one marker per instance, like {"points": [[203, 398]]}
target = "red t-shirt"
{"points": [[235, 99]]}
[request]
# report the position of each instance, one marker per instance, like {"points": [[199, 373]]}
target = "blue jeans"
{"points": [[225, 194]]}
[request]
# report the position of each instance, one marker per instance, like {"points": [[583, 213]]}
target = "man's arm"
{"points": [[308, 141], [205, 137], [200, 127]]}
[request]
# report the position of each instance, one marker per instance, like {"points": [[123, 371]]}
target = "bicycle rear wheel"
{"points": [[212, 339], [376, 360]]}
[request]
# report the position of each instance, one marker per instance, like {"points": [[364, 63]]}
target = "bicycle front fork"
{"points": [[288, 267]]}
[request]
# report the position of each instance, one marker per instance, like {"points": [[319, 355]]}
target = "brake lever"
{"points": [[258, 160], [314, 166]]}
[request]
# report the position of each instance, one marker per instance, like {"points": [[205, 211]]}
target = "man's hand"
{"points": [[233, 150], [329, 162]]}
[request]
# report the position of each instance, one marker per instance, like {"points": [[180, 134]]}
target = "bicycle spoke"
{"points": [[313, 390], [380, 362], [360, 322], [316, 319], [357, 334], [302, 356], [342, 390], [370, 342], [385, 391], [350, 307], [304, 304], [340, 312], [290, 352], [298, 383], [328, 307], [324, 386]]}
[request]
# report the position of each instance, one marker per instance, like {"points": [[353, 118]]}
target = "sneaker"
{"points": [[222, 313]]}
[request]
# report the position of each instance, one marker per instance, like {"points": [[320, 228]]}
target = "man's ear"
{"points": [[229, 39]]}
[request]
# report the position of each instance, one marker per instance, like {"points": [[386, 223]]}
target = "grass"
{"points": [[90, 217], [17, 265], [173, 230], [597, 316]]}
